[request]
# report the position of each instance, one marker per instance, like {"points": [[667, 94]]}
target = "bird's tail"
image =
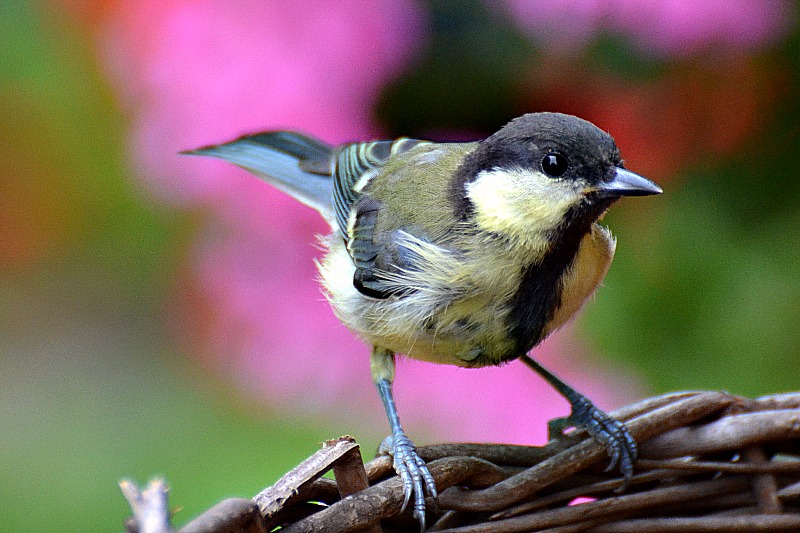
{"points": [[298, 165]]}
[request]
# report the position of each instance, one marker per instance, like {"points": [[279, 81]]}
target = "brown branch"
{"points": [[729, 433], [708, 462], [711, 524], [765, 487], [234, 515], [290, 487], [787, 400], [685, 410], [566, 496], [610, 508], [385, 498], [776, 467]]}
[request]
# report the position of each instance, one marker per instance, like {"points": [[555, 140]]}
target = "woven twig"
{"points": [[709, 461]]}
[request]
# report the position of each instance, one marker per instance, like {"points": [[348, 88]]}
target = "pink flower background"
{"points": [[665, 28], [247, 305]]}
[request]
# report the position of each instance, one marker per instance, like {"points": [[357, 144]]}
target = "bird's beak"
{"points": [[627, 183]]}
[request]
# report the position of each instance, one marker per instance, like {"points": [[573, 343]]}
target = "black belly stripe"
{"points": [[536, 300], [539, 295]]}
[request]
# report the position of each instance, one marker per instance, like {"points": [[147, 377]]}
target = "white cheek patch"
{"points": [[519, 202]]}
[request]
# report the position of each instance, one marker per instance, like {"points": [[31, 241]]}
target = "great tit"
{"points": [[467, 254]]}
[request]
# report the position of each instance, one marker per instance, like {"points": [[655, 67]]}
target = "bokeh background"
{"points": [[159, 314]]}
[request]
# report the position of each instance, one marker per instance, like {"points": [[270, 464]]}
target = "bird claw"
{"points": [[412, 471], [618, 441]]}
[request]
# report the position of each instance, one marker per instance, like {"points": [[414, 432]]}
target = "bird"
{"points": [[460, 253]]}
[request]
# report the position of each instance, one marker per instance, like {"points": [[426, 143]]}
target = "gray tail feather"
{"points": [[296, 164]]}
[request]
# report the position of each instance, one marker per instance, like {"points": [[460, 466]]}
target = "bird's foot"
{"points": [[611, 432], [412, 471]]}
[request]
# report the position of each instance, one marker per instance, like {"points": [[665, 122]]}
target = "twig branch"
{"points": [[709, 462], [149, 506]]}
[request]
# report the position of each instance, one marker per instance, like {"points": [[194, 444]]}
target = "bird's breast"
{"points": [[584, 275], [486, 315]]}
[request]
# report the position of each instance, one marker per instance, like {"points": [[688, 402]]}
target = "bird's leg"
{"points": [[407, 463], [611, 432]]}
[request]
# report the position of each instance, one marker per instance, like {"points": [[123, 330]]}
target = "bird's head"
{"points": [[541, 173]]}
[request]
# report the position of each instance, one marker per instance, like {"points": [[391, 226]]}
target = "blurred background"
{"points": [[159, 314]]}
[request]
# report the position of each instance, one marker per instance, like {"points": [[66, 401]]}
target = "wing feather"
{"points": [[354, 163]]}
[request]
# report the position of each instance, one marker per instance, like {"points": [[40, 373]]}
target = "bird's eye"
{"points": [[554, 164]]}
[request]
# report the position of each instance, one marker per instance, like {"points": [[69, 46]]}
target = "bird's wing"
{"points": [[355, 164], [299, 165], [331, 181], [357, 214]]}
